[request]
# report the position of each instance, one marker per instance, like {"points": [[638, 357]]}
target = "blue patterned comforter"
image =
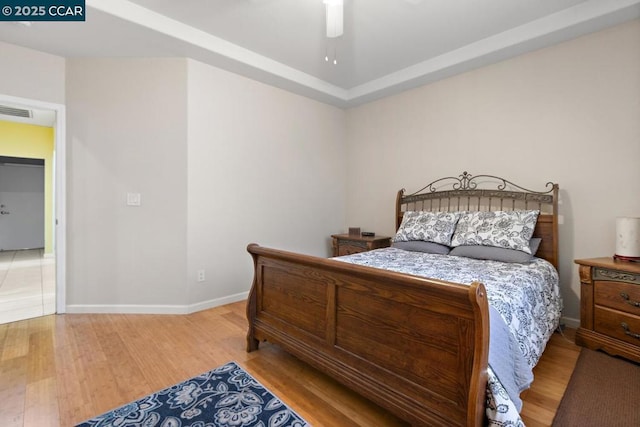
{"points": [[527, 296]]}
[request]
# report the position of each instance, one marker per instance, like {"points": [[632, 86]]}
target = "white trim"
{"points": [[155, 309], [60, 221], [59, 189], [571, 322], [126, 309], [203, 305]]}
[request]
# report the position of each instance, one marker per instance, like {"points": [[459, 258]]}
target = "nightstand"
{"points": [[610, 306], [347, 244]]}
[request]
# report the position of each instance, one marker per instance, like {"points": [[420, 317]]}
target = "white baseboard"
{"points": [[218, 302], [570, 322], [154, 309], [125, 309]]}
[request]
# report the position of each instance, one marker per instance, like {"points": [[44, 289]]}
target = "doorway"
{"points": [[27, 278], [32, 248]]}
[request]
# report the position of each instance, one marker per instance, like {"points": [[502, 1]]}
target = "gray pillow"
{"points": [[534, 244], [491, 253], [498, 254], [421, 246]]}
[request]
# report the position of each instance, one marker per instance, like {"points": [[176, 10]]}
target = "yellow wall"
{"points": [[36, 142]]}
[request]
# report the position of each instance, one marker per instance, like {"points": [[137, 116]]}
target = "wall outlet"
{"points": [[133, 199], [200, 275]]}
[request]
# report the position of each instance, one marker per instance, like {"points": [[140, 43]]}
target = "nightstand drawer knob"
{"points": [[628, 332], [625, 297]]}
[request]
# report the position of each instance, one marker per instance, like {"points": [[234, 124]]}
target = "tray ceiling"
{"points": [[388, 45]]}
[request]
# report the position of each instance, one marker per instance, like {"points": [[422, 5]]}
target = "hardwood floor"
{"points": [[551, 376], [61, 370]]}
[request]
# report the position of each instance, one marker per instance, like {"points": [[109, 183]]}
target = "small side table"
{"points": [[347, 244], [610, 306]]}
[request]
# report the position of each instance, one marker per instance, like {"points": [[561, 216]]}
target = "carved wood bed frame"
{"points": [[416, 346]]}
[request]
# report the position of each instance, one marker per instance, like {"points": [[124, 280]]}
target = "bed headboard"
{"points": [[488, 193]]}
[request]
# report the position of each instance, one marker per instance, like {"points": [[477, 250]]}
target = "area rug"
{"points": [[603, 391], [225, 396]]}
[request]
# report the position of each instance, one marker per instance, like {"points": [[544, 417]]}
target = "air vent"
{"points": [[16, 112]]}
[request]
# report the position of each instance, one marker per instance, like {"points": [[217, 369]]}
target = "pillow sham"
{"points": [[422, 246], [436, 227], [502, 229]]}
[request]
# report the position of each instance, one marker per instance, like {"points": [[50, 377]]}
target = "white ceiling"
{"points": [[388, 45]]}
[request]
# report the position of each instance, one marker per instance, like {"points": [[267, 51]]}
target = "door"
{"points": [[21, 203]]}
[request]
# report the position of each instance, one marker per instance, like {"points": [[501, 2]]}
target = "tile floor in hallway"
{"points": [[27, 285]]}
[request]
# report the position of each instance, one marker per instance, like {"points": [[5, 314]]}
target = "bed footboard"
{"points": [[415, 346]]}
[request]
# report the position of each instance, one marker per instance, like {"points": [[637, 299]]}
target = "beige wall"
{"points": [[31, 74], [265, 166], [126, 132], [220, 161], [568, 114]]}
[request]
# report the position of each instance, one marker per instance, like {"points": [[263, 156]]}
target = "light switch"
{"points": [[133, 199]]}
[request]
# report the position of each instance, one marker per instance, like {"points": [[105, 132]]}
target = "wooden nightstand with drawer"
{"points": [[610, 306], [347, 244]]}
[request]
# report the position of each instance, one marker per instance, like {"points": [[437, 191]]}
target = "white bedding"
{"points": [[527, 296]]}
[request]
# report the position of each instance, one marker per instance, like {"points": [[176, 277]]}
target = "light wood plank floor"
{"points": [[61, 370]]}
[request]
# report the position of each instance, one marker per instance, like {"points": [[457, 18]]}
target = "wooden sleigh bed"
{"points": [[416, 346]]}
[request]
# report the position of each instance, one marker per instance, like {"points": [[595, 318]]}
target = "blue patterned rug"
{"points": [[223, 397]]}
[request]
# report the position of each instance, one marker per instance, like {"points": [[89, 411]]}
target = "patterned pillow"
{"points": [[502, 229], [437, 227]]}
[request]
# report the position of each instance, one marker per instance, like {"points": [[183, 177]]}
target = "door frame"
{"points": [[59, 191]]}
